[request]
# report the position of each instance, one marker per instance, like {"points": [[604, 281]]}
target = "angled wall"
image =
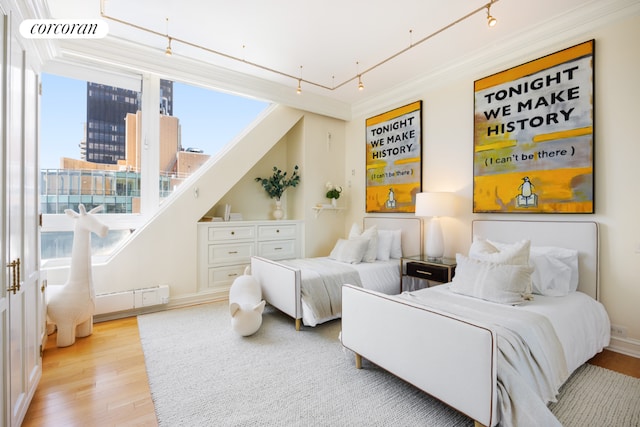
{"points": [[163, 251]]}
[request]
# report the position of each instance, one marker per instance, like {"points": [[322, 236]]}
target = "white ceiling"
{"points": [[333, 40]]}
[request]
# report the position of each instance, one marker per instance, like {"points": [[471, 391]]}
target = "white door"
{"points": [[5, 275], [14, 152], [22, 302]]}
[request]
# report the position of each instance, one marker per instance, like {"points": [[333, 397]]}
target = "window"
{"points": [[205, 121], [88, 155]]}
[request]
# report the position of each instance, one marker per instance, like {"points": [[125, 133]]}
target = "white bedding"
{"points": [[381, 276], [530, 373]]}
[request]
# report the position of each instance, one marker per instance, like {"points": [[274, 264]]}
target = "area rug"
{"points": [[201, 373]]}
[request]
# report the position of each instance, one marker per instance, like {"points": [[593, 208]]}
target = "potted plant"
{"points": [[333, 192], [276, 184]]}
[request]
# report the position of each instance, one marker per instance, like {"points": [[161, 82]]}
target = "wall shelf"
{"points": [[319, 209]]}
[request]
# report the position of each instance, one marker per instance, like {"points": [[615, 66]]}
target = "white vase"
{"points": [[334, 202], [278, 213]]}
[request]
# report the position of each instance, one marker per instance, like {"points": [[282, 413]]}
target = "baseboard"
{"points": [[628, 346], [174, 302]]}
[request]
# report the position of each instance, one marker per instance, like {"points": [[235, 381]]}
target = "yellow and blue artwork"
{"points": [[394, 159], [534, 136]]}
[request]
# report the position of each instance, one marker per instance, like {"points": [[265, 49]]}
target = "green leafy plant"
{"points": [[333, 191], [278, 182]]}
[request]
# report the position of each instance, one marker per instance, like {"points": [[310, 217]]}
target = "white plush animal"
{"points": [[70, 307], [246, 305]]}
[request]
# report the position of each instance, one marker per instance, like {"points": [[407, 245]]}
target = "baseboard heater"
{"points": [[130, 300]]}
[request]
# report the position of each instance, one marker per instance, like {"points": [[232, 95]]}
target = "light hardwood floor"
{"points": [[101, 380]]}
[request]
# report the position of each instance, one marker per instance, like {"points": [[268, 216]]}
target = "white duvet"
{"points": [[540, 343]]}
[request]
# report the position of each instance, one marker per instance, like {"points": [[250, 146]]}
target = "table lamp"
{"points": [[435, 205]]}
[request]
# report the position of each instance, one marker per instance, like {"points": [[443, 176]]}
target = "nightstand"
{"points": [[438, 271]]}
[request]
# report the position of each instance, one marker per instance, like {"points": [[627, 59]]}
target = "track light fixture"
{"points": [[167, 51], [491, 22], [360, 85], [299, 90]]}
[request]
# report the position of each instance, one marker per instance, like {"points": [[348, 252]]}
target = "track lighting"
{"points": [[167, 51], [491, 21], [299, 90]]}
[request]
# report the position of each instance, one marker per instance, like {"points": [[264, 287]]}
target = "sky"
{"points": [[208, 119]]}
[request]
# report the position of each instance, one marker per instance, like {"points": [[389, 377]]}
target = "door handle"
{"points": [[15, 275]]}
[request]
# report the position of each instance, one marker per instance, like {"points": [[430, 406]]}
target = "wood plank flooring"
{"points": [[101, 380]]}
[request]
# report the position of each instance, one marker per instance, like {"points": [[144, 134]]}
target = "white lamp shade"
{"points": [[435, 204]]}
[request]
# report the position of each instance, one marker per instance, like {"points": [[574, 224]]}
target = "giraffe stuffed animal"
{"points": [[70, 307]]}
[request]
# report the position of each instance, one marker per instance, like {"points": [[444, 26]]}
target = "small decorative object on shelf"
{"points": [[275, 186], [278, 213], [333, 193]]}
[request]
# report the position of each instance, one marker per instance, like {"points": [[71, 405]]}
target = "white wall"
{"points": [[448, 162]]}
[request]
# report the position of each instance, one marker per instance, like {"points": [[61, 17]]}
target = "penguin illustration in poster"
{"points": [[527, 198]]}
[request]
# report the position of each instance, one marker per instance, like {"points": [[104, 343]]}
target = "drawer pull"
{"points": [[233, 232], [277, 249], [233, 252], [232, 274], [277, 231], [428, 273]]}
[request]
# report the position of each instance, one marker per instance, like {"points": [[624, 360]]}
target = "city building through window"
{"points": [[91, 149]]}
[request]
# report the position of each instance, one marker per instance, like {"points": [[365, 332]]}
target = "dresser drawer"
{"points": [[277, 249], [231, 253], [220, 277], [273, 232], [429, 272], [223, 234]]}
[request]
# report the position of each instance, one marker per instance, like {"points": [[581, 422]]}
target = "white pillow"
{"points": [[385, 238], [501, 283], [555, 270], [503, 253], [350, 251], [371, 234], [396, 245]]}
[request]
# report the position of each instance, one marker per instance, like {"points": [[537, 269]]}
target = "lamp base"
{"points": [[435, 240]]}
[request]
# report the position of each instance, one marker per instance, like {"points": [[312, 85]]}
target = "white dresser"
{"points": [[225, 248]]}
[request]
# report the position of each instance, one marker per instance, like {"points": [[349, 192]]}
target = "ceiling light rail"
{"points": [[491, 21]]}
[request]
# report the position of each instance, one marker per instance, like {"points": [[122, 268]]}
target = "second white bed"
{"points": [[281, 281]]}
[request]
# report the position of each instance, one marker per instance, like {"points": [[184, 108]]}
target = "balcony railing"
{"points": [[117, 191]]}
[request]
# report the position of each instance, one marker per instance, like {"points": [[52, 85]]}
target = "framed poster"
{"points": [[394, 159], [534, 136]]}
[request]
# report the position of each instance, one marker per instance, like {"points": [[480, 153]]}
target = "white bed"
{"points": [[455, 352], [281, 280]]}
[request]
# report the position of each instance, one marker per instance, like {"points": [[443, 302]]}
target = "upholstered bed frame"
{"points": [[281, 283], [448, 357]]}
